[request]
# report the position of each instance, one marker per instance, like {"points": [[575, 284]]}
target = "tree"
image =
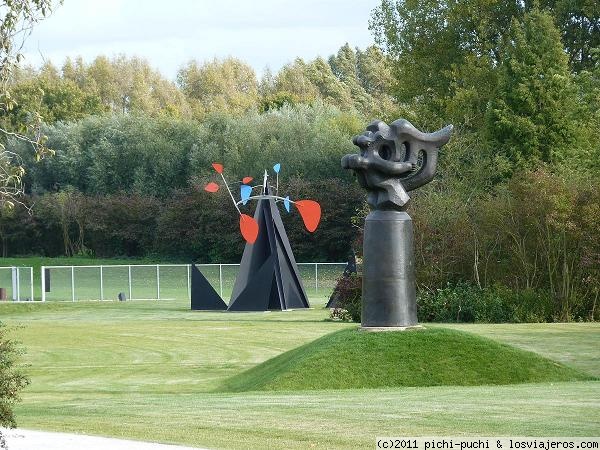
{"points": [[344, 66], [373, 71], [428, 39], [331, 89], [55, 99], [68, 209], [128, 85], [344, 63], [112, 153], [588, 85], [229, 86], [579, 23], [532, 118], [310, 81], [350, 80], [293, 81], [18, 19]]}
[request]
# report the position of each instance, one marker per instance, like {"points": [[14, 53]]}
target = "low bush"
{"points": [[464, 302], [11, 379], [461, 302], [348, 298]]}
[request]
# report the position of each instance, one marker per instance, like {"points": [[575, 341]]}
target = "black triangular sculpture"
{"points": [[203, 295], [259, 294], [268, 276], [348, 270]]}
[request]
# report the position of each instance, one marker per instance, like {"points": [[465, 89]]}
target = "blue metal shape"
{"points": [[245, 193]]}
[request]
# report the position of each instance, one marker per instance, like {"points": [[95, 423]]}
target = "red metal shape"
{"points": [[211, 187], [248, 228], [310, 211]]}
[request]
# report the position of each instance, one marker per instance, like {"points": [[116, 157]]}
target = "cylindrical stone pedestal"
{"points": [[388, 296]]}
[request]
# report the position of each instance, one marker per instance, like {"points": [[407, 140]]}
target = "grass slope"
{"points": [[351, 359], [573, 344]]}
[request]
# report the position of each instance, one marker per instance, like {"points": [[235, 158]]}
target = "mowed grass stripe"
{"points": [[322, 419], [144, 346]]}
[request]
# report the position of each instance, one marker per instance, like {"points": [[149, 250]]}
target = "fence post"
{"points": [[129, 276], [72, 283], [221, 279], [31, 282], [43, 276], [188, 267], [316, 279], [13, 279], [18, 284], [101, 284], [157, 283]]}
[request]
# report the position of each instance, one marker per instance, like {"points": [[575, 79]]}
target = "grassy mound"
{"points": [[430, 357]]}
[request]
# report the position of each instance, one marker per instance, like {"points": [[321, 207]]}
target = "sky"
{"points": [[170, 33]]}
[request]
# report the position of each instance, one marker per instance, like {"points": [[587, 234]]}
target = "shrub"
{"points": [[464, 302], [536, 234], [349, 298], [11, 379], [460, 302]]}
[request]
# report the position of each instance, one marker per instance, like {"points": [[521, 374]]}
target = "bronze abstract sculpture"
{"points": [[392, 161]]}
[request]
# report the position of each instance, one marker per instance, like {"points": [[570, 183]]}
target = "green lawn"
{"points": [[149, 370]]}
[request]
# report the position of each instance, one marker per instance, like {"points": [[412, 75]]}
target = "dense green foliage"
{"points": [[189, 224], [352, 359], [579, 23], [348, 298], [495, 304], [498, 70], [528, 251], [110, 154], [533, 121], [536, 232], [132, 185], [12, 380], [353, 79]]}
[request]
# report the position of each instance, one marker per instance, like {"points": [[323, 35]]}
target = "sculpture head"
{"points": [[394, 160]]}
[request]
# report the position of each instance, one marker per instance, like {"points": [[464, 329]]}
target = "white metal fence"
{"points": [[162, 281], [18, 282]]}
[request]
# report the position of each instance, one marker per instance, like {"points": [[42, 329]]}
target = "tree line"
{"points": [[352, 79]]}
